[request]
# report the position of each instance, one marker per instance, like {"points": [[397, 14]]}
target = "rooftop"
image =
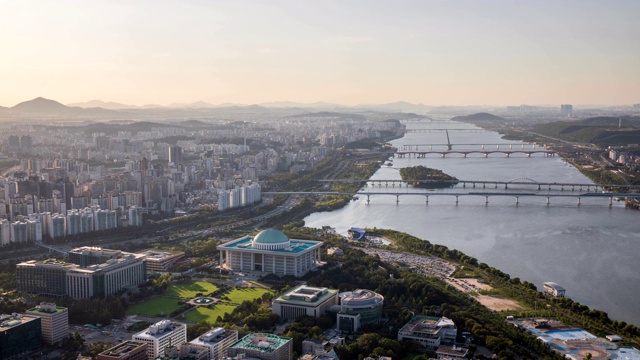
{"points": [[123, 348], [262, 342], [47, 308], [360, 297], [270, 236], [159, 329], [306, 295], [246, 243], [9, 321], [426, 324]]}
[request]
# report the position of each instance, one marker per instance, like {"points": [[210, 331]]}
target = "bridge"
{"points": [[416, 147], [507, 153], [457, 195], [491, 183], [468, 130]]}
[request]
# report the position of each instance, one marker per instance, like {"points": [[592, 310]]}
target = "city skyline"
{"points": [[434, 53]]}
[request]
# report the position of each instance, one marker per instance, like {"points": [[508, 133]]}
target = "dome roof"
{"points": [[270, 236]]}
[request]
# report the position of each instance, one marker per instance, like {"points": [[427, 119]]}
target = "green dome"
{"points": [[270, 236]]}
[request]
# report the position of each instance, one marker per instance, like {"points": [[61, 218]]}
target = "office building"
{"points": [[428, 331], [264, 347], [566, 110], [270, 252], [175, 155], [304, 301], [19, 334], [54, 322], [186, 351], [128, 350], [94, 278], [357, 308], [160, 335], [217, 341], [160, 260]]}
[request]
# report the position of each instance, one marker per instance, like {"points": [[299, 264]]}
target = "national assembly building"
{"points": [[270, 252]]}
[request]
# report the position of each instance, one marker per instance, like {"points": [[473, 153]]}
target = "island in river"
{"points": [[424, 177]]}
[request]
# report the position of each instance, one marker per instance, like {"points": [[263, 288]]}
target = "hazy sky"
{"points": [[450, 52]]}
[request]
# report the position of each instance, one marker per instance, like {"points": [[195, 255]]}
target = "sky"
{"points": [[433, 52]]}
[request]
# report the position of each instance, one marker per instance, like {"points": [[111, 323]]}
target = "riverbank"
{"points": [[520, 298]]}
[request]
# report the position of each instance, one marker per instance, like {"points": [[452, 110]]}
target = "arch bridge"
{"points": [[507, 153]]}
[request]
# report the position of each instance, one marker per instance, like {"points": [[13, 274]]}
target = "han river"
{"points": [[592, 250]]}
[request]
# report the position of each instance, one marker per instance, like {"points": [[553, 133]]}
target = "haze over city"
{"points": [[431, 52], [447, 179]]}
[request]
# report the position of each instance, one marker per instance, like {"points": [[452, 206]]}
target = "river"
{"points": [[591, 250]]}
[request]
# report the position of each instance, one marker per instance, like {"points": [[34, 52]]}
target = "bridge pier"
{"points": [[397, 199], [506, 186], [517, 200], [538, 187], [486, 155], [426, 200], [456, 199], [482, 146], [464, 185], [368, 199], [486, 199], [443, 154], [484, 185], [578, 201], [507, 154], [549, 187], [610, 201], [561, 187], [548, 202], [510, 146], [580, 188], [496, 185], [474, 185], [573, 187], [528, 155]]}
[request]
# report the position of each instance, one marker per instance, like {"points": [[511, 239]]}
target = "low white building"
{"points": [[160, 335], [304, 300], [553, 289], [430, 332]]}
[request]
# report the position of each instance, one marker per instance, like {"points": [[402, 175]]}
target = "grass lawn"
{"points": [[237, 296], [190, 289], [209, 315], [155, 307]]}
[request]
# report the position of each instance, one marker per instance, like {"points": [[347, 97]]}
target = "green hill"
{"points": [[601, 131]]}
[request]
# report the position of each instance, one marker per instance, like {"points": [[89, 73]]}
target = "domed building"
{"points": [[270, 252]]}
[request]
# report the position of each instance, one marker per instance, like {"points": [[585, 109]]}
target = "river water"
{"points": [[591, 250]]}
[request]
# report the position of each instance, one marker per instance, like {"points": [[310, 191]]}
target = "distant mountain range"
{"points": [[394, 106], [46, 108], [42, 106]]}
